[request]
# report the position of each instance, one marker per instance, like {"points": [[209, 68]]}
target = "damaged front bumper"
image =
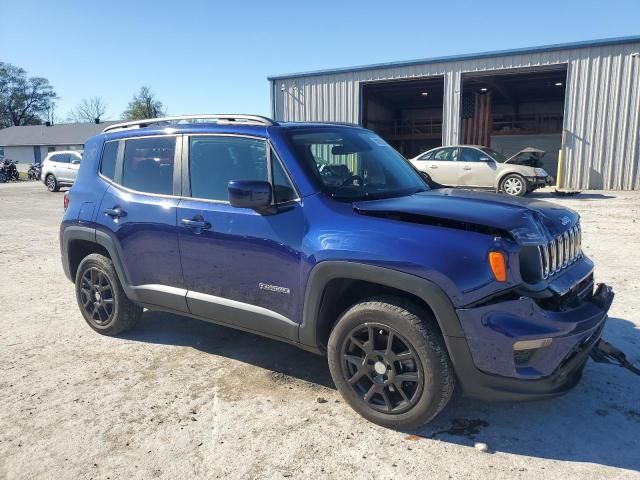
{"points": [[515, 349], [539, 182]]}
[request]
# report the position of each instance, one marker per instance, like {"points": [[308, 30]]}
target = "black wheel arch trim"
{"points": [[324, 272]]}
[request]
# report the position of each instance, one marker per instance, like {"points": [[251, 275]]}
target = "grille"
{"points": [[561, 251]]}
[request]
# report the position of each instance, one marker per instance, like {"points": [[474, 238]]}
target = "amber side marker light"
{"points": [[498, 265]]}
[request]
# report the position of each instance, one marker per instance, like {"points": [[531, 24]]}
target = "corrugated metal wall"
{"points": [[602, 106]]}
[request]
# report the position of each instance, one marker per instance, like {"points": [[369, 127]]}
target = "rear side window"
{"points": [[443, 154], [148, 164], [216, 160], [426, 156], [108, 164], [60, 158]]}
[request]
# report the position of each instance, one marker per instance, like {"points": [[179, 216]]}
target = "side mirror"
{"points": [[75, 162], [255, 194]]}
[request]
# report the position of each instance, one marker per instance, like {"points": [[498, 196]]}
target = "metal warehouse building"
{"points": [[577, 101]]}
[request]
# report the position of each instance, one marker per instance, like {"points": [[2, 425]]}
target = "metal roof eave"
{"points": [[466, 56]]}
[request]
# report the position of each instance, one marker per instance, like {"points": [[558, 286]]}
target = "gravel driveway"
{"points": [[179, 398]]}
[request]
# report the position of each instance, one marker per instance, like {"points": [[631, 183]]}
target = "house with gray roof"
{"points": [[31, 143]]}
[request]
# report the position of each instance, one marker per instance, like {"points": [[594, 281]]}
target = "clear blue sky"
{"points": [[210, 57]]}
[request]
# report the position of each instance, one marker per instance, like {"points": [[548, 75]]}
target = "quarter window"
{"points": [[148, 164], [108, 164], [216, 160], [283, 191]]}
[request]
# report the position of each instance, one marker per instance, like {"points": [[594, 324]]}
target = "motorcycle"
{"points": [[34, 171], [8, 171]]}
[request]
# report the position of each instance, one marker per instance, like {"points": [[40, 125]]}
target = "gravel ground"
{"points": [[179, 398]]}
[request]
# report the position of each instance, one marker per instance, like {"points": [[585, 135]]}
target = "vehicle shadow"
{"points": [[594, 423], [572, 196]]}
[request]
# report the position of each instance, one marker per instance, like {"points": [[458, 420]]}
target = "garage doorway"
{"points": [[407, 113], [511, 110]]}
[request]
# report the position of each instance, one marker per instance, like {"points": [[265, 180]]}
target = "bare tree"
{"points": [[88, 110], [23, 100], [144, 105]]}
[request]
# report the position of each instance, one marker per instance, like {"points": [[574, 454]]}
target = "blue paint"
{"points": [[36, 155], [443, 236]]}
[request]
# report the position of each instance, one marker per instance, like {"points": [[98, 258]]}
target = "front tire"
{"points": [[51, 183], [514, 185], [102, 301], [389, 362]]}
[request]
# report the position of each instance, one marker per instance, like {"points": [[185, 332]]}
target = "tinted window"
{"points": [[426, 156], [61, 158], [471, 155], [282, 189], [148, 164], [215, 161], [108, 165]]}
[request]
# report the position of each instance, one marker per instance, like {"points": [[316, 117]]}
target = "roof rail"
{"points": [[213, 118]]}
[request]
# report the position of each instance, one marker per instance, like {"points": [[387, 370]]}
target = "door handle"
{"points": [[466, 168], [196, 223], [115, 212], [433, 166]]}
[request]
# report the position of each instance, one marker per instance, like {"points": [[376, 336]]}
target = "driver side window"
{"points": [[471, 155]]}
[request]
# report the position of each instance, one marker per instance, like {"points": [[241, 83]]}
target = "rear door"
{"points": [[442, 166], [240, 266], [138, 214], [477, 169]]}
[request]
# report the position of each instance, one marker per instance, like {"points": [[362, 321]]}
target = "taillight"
{"points": [[66, 200]]}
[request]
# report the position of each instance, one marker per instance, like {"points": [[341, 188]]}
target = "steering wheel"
{"points": [[352, 178]]}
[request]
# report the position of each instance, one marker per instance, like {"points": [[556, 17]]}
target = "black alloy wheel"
{"points": [[382, 368], [96, 295]]}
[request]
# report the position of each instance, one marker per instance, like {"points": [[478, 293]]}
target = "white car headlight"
{"points": [[540, 172]]}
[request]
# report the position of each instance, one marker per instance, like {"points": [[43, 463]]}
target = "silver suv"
{"points": [[60, 168], [480, 167]]}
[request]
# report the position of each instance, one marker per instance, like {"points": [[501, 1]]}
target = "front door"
{"points": [[241, 267], [477, 169], [138, 213], [59, 166]]}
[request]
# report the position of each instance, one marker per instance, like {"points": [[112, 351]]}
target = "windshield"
{"points": [[497, 156], [352, 164]]}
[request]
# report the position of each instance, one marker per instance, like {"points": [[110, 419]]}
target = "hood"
{"points": [[527, 221], [529, 156]]}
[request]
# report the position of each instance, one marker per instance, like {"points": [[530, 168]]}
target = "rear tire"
{"points": [[51, 183], [514, 185], [102, 301], [389, 362]]}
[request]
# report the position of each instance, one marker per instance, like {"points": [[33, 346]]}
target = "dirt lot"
{"points": [[179, 398]]}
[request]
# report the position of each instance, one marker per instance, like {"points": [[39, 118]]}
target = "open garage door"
{"points": [[407, 113], [514, 109]]}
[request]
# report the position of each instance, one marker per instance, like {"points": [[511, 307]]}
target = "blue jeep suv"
{"points": [[323, 236]]}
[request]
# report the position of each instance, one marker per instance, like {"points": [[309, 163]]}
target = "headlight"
{"points": [[540, 172]]}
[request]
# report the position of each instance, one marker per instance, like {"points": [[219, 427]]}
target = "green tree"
{"points": [[23, 100], [144, 105]]}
